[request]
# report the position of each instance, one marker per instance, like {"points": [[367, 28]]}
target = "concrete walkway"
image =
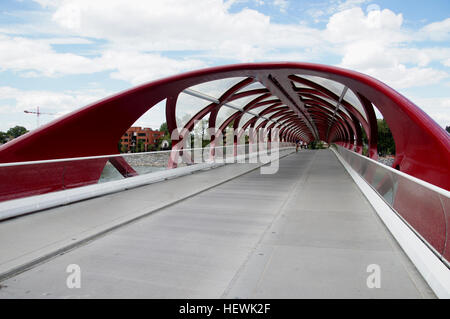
{"points": [[305, 232]]}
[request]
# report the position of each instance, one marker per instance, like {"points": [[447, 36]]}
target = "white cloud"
{"points": [[67, 40], [48, 3], [35, 57], [352, 25], [138, 68], [373, 7], [378, 39], [423, 56], [373, 43], [437, 108], [158, 25], [205, 26], [389, 64], [321, 11], [437, 31], [348, 4], [15, 101], [400, 77], [366, 54], [53, 102], [181, 25], [281, 4], [69, 16], [315, 13], [331, 7], [24, 55]]}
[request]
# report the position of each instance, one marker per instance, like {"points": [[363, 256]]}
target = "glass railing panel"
{"points": [[187, 107], [424, 207], [216, 88], [42, 177], [331, 85], [110, 173], [446, 206], [351, 98], [252, 86]]}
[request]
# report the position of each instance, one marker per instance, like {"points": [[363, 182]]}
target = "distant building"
{"points": [[140, 139]]}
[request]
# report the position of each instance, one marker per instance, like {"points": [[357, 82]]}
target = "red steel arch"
{"points": [[422, 147]]}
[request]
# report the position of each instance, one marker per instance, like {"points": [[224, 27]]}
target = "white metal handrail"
{"points": [[69, 159]]}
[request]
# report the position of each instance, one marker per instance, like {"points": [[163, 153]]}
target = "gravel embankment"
{"points": [[386, 160]]}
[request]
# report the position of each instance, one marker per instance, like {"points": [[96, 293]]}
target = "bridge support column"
{"points": [[123, 167]]}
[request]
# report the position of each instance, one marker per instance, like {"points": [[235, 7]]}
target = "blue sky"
{"points": [[61, 55]]}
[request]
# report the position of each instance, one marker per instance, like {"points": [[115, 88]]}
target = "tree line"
{"points": [[12, 133], [385, 144]]}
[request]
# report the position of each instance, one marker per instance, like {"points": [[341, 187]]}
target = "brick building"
{"points": [[140, 139]]}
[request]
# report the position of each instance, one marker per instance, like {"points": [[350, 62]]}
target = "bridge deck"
{"points": [[305, 232]]}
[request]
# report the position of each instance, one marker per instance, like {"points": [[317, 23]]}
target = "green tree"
{"points": [[140, 146], [164, 128], [365, 140], [16, 131], [200, 131], [386, 144], [120, 147], [3, 137], [447, 128], [312, 145]]}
